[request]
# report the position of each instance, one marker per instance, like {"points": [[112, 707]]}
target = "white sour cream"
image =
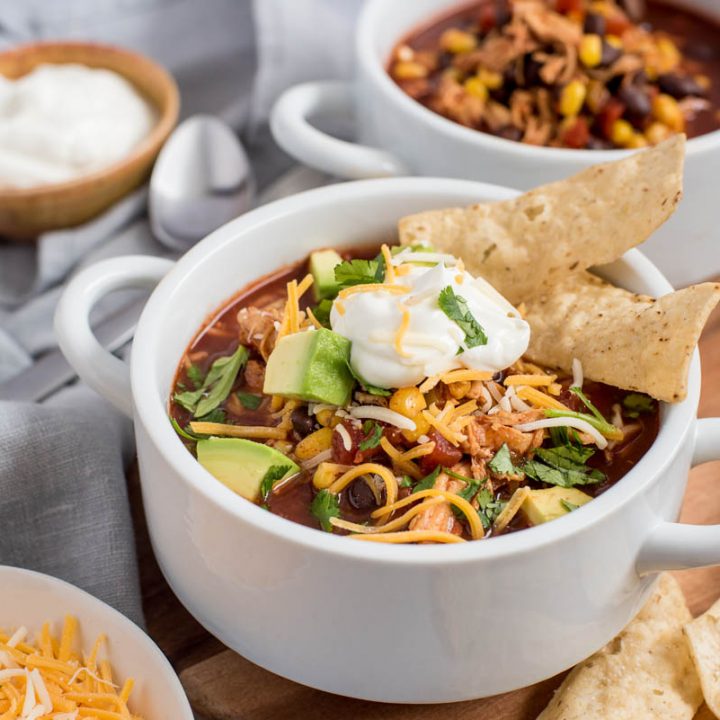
{"points": [[430, 345], [59, 122]]}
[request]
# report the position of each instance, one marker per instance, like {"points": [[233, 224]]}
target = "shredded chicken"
{"points": [[255, 375], [455, 102], [546, 24], [440, 517], [257, 328]]}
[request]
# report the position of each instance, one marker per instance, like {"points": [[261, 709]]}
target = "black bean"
{"points": [[531, 72], [609, 54], [680, 86], [636, 100], [360, 496], [594, 24], [499, 376], [510, 132], [302, 423]]}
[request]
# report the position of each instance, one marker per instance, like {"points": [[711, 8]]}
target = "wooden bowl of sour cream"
{"points": [[25, 212]]}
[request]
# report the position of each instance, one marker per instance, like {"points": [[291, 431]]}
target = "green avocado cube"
{"points": [[322, 267], [542, 506], [311, 366], [242, 464]]}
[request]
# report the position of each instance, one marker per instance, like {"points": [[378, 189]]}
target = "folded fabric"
{"points": [[63, 500]]}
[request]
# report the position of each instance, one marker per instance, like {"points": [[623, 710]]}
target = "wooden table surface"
{"points": [[186, 643]]}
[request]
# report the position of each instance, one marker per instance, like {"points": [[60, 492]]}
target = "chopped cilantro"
{"points": [[563, 466], [324, 506], [195, 376], [373, 434], [250, 401], [488, 507], [502, 464], [273, 474], [428, 481], [371, 389], [586, 402], [217, 415], [457, 476], [636, 403], [359, 272], [182, 432], [568, 505], [405, 481], [216, 386], [455, 307], [322, 312]]}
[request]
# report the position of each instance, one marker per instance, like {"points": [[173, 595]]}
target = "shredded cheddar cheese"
{"points": [[373, 287], [304, 285], [239, 431], [411, 536], [530, 380], [402, 464], [315, 322], [389, 268], [392, 525], [464, 375], [539, 399], [49, 679], [437, 422], [339, 307], [391, 486], [404, 325], [511, 509]]}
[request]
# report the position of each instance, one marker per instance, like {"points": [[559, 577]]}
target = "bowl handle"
{"points": [[100, 369], [289, 122], [677, 546]]}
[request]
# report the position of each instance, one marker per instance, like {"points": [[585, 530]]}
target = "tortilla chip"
{"points": [[630, 341], [703, 635], [645, 672], [525, 244]]}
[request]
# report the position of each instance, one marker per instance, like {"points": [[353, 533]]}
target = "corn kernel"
{"points": [[459, 389], [457, 41], [475, 87], [637, 141], [409, 70], [324, 475], [665, 108], [314, 443], [325, 416], [703, 81], [669, 53], [621, 133], [657, 132], [422, 427], [651, 72], [490, 79], [590, 50], [601, 8], [615, 41], [572, 98], [408, 401]]}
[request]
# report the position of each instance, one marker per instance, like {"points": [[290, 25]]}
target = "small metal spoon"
{"points": [[201, 180]]}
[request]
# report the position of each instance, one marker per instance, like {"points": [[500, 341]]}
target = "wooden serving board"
{"points": [[223, 686]]}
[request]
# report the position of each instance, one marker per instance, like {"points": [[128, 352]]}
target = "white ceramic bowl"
{"points": [[404, 623], [401, 137], [30, 599]]}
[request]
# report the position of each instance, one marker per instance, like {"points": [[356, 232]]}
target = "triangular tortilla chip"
{"points": [[645, 673], [703, 635], [523, 245], [630, 341]]}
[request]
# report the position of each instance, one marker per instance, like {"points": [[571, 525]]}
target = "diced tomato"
{"points": [[354, 455], [576, 135], [445, 453], [569, 6], [612, 111], [617, 23], [487, 18]]}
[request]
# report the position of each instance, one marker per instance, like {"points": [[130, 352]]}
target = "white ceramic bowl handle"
{"points": [[292, 130], [676, 546], [100, 369]]}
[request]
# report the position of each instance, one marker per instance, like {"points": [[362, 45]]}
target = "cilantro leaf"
{"points": [[373, 434], [325, 505], [216, 386], [455, 307], [405, 481], [217, 415], [322, 312], [573, 457], [568, 505], [428, 481], [562, 466], [502, 464], [195, 376], [273, 474], [371, 389], [358, 272], [488, 507], [250, 401], [637, 403]]}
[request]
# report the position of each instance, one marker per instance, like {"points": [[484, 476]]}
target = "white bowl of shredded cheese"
{"points": [[61, 647], [80, 126]]}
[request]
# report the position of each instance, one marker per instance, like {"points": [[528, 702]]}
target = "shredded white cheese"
{"points": [[9, 674], [576, 423], [577, 371], [373, 412], [41, 690], [322, 456], [18, 636], [29, 702], [341, 430]]}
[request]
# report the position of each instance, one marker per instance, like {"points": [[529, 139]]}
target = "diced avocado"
{"points": [[541, 506], [310, 366], [241, 464], [322, 267]]}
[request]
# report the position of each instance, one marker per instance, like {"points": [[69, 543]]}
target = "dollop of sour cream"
{"points": [[401, 337], [59, 122]]}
